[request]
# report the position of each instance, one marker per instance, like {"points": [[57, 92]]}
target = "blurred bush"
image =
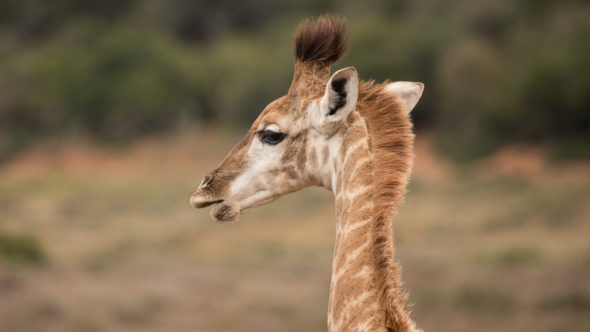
{"points": [[496, 71], [21, 249]]}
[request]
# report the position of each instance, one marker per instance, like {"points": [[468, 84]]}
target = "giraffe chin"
{"points": [[225, 213]]}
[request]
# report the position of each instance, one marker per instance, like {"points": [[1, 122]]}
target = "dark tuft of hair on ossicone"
{"points": [[323, 41]]}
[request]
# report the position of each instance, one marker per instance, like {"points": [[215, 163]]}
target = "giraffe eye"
{"points": [[271, 137]]}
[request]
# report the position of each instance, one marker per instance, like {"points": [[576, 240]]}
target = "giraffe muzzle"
{"points": [[220, 211], [207, 181], [205, 194], [201, 199]]}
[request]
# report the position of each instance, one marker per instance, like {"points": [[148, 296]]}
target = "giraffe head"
{"points": [[270, 161]]}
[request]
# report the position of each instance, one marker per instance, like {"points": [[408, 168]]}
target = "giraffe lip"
{"points": [[205, 204], [199, 202]]}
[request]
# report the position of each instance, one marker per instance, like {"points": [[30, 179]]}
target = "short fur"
{"points": [[392, 140]]}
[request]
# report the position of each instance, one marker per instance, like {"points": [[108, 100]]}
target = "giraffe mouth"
{"points": [[200, 202], [205, 204]]}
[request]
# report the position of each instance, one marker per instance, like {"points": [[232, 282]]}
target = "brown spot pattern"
{"points": [[380, 120], [392, 141]]}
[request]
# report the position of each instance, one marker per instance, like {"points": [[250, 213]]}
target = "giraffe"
{"points": [[351, 137]]}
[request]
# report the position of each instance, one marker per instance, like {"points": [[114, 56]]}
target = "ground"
{"points": [[104, 239]]}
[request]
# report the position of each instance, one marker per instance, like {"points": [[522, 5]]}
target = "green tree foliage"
{"points": [[496, 71]]}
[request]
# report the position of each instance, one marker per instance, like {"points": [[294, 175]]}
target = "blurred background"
{"points": [[111, 112]]}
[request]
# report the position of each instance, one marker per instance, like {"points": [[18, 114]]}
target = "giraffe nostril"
{"points": [[207, 181]]}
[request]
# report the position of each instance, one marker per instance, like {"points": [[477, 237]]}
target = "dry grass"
{"points": [[485, 248]]}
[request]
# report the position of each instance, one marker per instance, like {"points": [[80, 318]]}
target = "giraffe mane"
{"points": [[390, 131], [323, 41]]}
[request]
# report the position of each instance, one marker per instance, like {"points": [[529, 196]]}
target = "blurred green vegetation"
{"points": [[21, 248], [496, 71]]}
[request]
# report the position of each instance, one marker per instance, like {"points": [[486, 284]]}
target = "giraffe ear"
{"points": [[409, 92], [338, 101]]}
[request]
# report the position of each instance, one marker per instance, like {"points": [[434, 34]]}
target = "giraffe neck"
{"points": [[355, 290]]}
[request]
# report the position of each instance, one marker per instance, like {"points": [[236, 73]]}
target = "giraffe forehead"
{"points": [[272, 113], [284, 114]]}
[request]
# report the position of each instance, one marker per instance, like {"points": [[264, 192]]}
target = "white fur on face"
{"points": [[256, 185]]}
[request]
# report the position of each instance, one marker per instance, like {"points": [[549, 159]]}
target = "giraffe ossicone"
{"points": [[353, 138]]}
